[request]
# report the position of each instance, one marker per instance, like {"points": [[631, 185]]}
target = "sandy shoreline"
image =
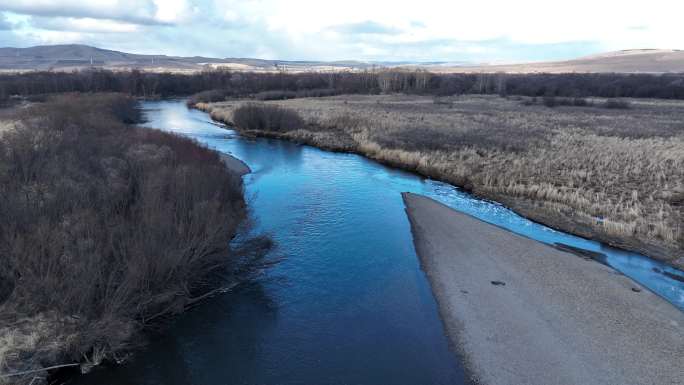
{"points": [[522, 312]]}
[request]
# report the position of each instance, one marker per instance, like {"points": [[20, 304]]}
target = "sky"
{"points": [[475, 31]]}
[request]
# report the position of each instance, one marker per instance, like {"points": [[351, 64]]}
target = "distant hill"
{"points": [[75, 56], [627, 61]]}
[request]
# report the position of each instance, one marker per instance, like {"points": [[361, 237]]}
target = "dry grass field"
{"points": [[616, 175]]}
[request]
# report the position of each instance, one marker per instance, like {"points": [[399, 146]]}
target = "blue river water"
{"points": [[349, 303]]}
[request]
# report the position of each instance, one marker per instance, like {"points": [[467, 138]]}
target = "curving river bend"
{"points": [[349, 304]]}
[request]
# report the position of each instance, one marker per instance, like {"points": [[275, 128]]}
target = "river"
{"points": [[349, 303]]}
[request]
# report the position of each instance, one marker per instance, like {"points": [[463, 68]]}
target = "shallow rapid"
{"points": [[349, 303]]}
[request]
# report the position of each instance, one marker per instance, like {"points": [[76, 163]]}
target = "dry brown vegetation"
{"points": [[262, 117], [8, 119], [105, 228], [612, 174], [212, 86]]}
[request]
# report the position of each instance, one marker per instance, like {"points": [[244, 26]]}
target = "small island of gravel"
{"points": [[521, 312]]}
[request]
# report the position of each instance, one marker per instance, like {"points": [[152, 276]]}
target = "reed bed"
{"points": [[616, 175]]}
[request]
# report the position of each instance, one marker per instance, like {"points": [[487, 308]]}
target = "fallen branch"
{"points": [[37, 370], [190, 302]]}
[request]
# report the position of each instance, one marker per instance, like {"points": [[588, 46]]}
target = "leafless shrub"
{"points": [[275, 95], [209, 96], [553, 101], [285, 94], [550, 101], [266, 117], [318, 93], [581, 102], [529, 101], [103, 229], [442, 101], [617, 104]]}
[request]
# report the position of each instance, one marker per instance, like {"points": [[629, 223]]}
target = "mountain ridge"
{"points": [[67, 57]]}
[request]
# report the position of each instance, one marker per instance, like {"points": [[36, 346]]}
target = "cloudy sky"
{"points": [[387, 30]]}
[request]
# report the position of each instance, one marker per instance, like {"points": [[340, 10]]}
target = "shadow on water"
{"points": [[585, 254], [169, 358]]}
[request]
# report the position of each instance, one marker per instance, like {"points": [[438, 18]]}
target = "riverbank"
{"points": [[146, 216], [337, 269], [593, 172], [521, 312]]}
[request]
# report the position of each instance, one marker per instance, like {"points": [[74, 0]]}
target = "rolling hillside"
{"points": [[73, 56], [628, 61]]}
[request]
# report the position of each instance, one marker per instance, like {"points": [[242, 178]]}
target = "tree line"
{"points": [[224, 84]]}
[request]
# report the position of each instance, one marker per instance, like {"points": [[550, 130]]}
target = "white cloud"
{"points": [[363, 29], [86, 24], [138, 11], [174, 11]]}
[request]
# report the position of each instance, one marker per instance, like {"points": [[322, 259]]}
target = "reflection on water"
{"points": [[351, 305]]}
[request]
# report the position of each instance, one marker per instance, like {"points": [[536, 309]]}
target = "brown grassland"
{"points": [[615, 175]]}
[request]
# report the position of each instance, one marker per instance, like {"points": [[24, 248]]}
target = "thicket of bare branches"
{"points": [[218, 85], [253, 116], [104, 228]]}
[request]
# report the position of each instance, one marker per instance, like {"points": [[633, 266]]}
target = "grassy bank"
{"points": [[612, 174], [105, 229]]}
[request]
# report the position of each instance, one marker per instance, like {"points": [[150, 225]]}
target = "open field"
{"points": [[522, 312], [616, 175]]}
